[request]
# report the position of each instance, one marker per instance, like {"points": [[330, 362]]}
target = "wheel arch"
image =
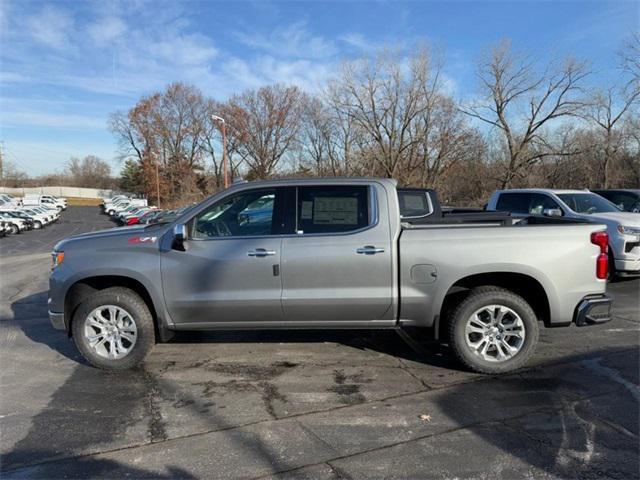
{"points": [[526, 286], [84, 287]]}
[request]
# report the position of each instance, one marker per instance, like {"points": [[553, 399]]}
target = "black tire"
{"points": [[140, 314], [13, 229], [478, 298], [37, 224]]}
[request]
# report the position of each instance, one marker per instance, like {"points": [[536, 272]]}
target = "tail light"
{"points": [[132, 221], [601, 239]]}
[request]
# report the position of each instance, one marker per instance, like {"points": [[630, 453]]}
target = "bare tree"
{"points": [[387, 102], [607, 112], [520, 101], [164, 132], [630, 58], [90, 171], [263, 126]]}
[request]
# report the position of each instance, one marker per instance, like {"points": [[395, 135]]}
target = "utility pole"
{"points": [[223, 128]]}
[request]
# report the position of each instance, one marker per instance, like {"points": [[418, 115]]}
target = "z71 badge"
{"points": [[135, 240]]}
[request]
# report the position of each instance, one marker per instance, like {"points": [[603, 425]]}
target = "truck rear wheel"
{"points": [[493, 330], [113, 329]]}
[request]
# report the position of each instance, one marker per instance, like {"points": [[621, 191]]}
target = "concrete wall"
{"points": [[61, 192]]}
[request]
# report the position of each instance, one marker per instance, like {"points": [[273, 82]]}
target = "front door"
{"points": [[338, 266], [230, 269]]}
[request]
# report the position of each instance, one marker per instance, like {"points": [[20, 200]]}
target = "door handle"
{"points": [[260, 252], [369, 250]]}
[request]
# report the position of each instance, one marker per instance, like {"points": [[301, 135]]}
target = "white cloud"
{"points": [[306, 74], [292, 40], [106, 29], [50, 27], [359, 42], [189, 49], [52, 120]]}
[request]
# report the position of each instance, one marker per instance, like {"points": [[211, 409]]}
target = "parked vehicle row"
{"points": [[119, 203], [126, 211], [29, 212]]}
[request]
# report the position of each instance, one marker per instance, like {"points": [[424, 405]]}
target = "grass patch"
{"points": [[83, 202]]}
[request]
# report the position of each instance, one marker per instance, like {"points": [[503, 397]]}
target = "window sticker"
{"points": [[307, 210], [335, 211]]}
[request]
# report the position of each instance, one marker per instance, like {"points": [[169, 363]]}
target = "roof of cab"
{"points": [[543, 190]]}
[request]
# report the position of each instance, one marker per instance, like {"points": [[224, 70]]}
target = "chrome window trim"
{"points": [[373, 216]]}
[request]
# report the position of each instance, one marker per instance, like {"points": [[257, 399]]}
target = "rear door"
{"points": [[338, 265]]}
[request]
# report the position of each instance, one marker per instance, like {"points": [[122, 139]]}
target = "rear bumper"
{"points": [[57, 320], [593, 310]]}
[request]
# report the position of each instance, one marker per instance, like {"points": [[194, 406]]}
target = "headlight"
{"points": [[628, 230], [58, 258]]}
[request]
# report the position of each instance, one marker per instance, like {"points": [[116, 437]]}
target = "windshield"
{"points": [[587, 203]]}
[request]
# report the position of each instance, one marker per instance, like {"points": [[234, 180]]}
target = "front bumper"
{"points": [[593, 310], [627, 268]]}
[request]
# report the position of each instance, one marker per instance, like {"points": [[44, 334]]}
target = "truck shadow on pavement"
{"points": [[382, 341], [573, 416]]}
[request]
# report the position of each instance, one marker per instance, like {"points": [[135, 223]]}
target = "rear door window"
{"points": [[332, 209], [514, 202]]}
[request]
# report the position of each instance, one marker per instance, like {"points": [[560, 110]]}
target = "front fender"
{"points": [[141, 267]]}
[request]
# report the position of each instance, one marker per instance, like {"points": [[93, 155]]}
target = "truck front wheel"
{"points": [[113, 329], [493, 330]]}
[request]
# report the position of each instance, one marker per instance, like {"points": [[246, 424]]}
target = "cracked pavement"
{"points": [[306, 404]]}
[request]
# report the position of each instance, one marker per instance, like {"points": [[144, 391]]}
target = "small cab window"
{"points": [[414, 204], [332, 209], [244, 214]]}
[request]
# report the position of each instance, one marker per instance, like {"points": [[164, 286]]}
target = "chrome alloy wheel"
{"points": [[495, 333], [110, 331]]}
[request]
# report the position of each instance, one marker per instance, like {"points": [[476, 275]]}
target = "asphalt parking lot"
{"points": [[306, 404]]}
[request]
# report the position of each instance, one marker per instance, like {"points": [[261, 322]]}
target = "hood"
{"points": [[628, 219], [114, 234]]}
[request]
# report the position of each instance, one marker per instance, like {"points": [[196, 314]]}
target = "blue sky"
{"points": [[66, 65]]}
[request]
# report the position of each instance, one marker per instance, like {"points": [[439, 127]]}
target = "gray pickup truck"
{"points": [[329, 254]]}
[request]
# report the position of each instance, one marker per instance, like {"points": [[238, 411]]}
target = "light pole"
{"points": [[158, 181], [223, 128]]}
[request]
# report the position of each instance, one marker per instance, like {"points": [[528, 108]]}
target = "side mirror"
{"points": [[179, 236], [552, 212]]}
